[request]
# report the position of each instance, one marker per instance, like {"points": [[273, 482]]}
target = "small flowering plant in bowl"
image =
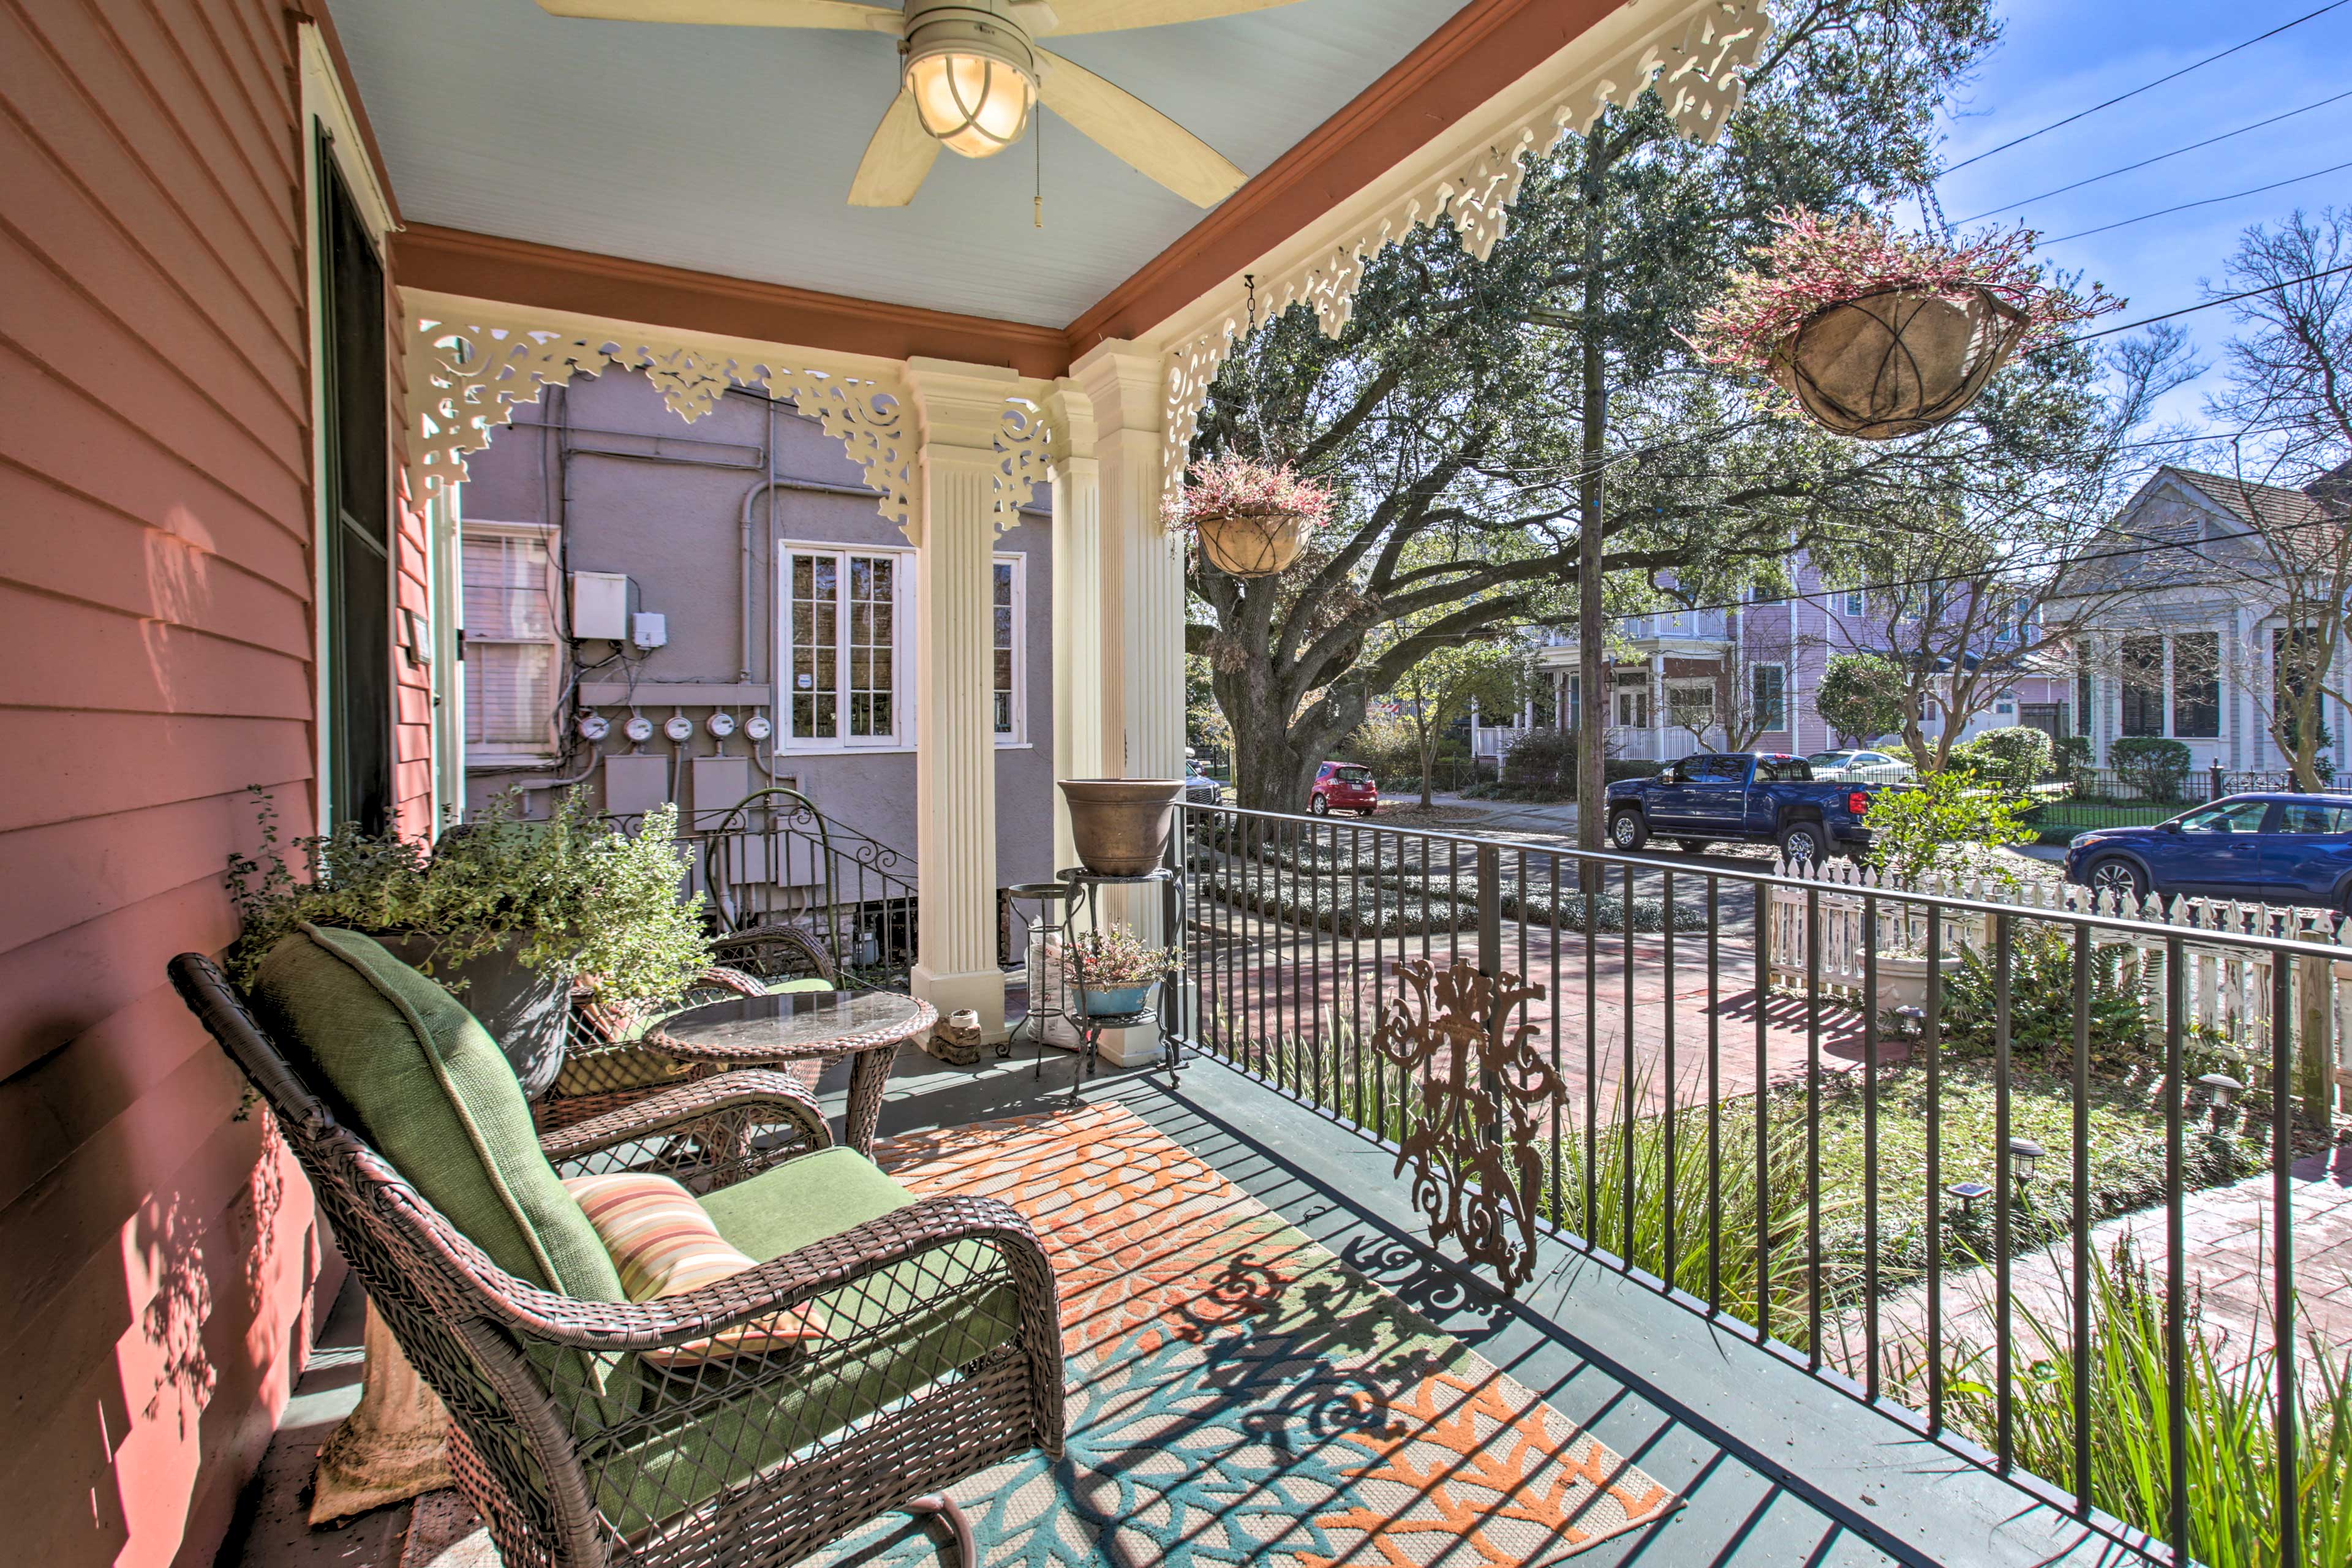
{"points": [[1878, 334], [1252, 518], [1117, 969]]}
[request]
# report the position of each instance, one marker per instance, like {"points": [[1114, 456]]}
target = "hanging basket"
{"points": [[1896, 362], [1252, 545]]}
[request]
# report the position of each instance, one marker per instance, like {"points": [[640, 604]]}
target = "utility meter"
{"points": [[757, 727], [594, 727], [639, 729], [722, 724], [680, 727]]}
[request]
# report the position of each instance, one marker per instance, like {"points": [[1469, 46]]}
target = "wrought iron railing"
{"points": [[1962, 1189], [774, 860]]}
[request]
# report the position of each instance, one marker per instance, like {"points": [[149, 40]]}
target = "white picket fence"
{"points": [[2228, 987]]}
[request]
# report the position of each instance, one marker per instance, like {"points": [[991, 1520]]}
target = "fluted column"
{"points": [[959, 410], [1142, 598], [1077, 603]]}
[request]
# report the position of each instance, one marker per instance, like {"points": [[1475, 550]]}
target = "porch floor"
{"points": [[1776, 1467]]}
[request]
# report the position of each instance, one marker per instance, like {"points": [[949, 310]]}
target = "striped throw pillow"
{"points": [[663, 1243]]}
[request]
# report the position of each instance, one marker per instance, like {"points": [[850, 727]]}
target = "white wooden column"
{"points": [[960, 411], [1077, 603], [1140, 653]]}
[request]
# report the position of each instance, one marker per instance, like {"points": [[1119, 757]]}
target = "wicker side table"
{"points": [[769, 1029]]}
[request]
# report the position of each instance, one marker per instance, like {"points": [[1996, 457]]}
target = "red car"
{"points": [[1343, 786]]}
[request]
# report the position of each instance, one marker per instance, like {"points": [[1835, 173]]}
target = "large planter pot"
{"points": [[1252, 545], [1903, 978], [524, 1011], [1113, 1000], [1896, 362], [1121, 825]]}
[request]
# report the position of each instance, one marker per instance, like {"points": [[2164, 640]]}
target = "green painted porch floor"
{"points": [[1777, 1467]]}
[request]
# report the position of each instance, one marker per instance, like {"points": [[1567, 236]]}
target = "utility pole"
{"points": [[1591, 730]]}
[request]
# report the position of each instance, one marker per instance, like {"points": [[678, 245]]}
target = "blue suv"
{"points": [[2271, 848]]}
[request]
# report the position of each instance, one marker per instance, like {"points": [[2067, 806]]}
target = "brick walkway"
{"points": [[2229, 1233]]}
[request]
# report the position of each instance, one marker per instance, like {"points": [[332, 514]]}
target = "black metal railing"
{"points": [[2082, 798], [774, 860], [1949, 1162]]}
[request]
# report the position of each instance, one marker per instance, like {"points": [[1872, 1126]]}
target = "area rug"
{"points": [[1236, 1393]]}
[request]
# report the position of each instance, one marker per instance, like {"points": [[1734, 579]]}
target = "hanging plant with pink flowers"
{"points": [[1878, 334], [1252, 519]]}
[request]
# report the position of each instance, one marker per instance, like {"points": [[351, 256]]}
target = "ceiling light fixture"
{"points": [[973, 77]]}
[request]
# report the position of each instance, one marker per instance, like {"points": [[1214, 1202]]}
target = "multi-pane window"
{"points": [[1853, 604], [1768, 688], [1633, 703], [844, 660], [1005, 657], [2143, 684], [2197, 686], [513, 655]]}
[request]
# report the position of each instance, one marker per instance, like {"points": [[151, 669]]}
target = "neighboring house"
{"points": [[757, 542], [2184, 603], [1681, 679]]}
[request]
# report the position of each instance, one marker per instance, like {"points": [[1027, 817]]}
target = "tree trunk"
{"points": [[1592, 634]]}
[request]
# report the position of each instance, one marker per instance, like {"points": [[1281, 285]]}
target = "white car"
{"points": [[1860, 767]]}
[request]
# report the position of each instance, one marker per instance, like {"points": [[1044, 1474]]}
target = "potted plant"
{"points": [[506, 913], [1878, 334], [1116, 971], [1252, 518]]}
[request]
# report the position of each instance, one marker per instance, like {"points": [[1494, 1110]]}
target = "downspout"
{"points": [[743, 669]]}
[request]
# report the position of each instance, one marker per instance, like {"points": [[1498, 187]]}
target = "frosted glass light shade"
{"points": [[977, 104]]}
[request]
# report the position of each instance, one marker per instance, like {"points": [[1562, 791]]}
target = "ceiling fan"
{"points": [[974, 75]]}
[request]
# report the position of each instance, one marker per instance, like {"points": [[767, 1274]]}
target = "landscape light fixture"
{"points": [[2024, 1154], [2221, 1089], [1913, 1022], [1968, 1193]]}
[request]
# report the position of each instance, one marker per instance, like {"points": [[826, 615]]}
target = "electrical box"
{"points": [[718, 782], [635, 784], [600, 606], [648, 629]]}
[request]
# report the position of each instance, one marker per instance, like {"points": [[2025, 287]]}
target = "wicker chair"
{"points": [[901, 1354]]}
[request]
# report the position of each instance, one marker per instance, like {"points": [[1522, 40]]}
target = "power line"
{"points": [[2224, 300], [2208, 201], [2184, 71], [2160, 157]]}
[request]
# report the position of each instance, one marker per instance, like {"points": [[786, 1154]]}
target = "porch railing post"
{"points": [[2221, 785], [1489, 874]]}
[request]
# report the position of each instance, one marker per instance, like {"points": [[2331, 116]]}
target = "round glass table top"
{"points": [[797, 1021]]}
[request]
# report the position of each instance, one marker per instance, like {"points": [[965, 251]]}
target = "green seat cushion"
{"points": [[886, 1336], [431, 1091], [807, 983]]}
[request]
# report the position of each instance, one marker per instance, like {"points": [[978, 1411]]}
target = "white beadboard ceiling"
{"points": [[730, 150]]}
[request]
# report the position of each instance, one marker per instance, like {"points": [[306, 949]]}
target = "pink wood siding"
{"points": [[155, 1248]]}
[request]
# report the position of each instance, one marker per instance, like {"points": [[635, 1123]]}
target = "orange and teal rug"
{"points": [[1238, 1395]]}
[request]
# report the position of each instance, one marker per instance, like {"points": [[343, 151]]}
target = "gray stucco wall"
{"points": [[636, 489]]}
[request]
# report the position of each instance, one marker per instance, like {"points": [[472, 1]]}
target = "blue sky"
{"points": [[2056, 57]]}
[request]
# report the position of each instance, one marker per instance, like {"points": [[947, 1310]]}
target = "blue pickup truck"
{"points": [[1751, 798]]}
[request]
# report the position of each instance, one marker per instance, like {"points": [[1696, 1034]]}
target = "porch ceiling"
{"points": [[730, 150]]}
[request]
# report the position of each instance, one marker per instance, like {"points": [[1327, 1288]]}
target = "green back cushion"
{"points": [[430, 1089]]}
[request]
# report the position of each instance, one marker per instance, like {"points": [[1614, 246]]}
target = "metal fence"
{"points": [[2085, 798], [1960, 1187]]}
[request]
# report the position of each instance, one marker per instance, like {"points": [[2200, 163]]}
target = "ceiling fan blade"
{"points": [[1135, 132], [1117, 16], [896, 161], [837, 14]]}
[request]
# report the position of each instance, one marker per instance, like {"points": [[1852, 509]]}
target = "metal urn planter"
{"points": [[523, 1010], [1896, 362], [1121, 825], [1252, 545]]}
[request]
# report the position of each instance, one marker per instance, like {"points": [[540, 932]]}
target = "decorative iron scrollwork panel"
{"points": [[1480, 1094]]}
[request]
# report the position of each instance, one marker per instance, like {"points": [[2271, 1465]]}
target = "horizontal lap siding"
{"points": [[155, 569]]}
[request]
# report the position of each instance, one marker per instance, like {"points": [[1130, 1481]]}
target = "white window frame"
{"points": [[1853, 604], [487, 752], [1019, 734], [903, 650], [1784, 726]]}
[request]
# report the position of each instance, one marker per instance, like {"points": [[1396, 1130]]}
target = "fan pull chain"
{"points": [[1037, 137]]}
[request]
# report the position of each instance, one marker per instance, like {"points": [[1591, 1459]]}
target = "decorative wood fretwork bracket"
{"points": [[1480, 1097], [1694, 61], [471, 365]]}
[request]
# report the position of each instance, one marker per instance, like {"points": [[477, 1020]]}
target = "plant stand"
{"points": [[1083, 895], [394, 1445], [1045, 936]]}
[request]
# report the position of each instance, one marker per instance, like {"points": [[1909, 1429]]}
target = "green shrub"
{"points": [[1862, 695], [2072, 756], [574, 895], [2041, 1004], [1948, 823], [2157, 769], [1543, 764], [2015, 757]]}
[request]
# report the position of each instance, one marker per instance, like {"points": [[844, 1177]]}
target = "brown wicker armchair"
{"points": [[903, 1353]]}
